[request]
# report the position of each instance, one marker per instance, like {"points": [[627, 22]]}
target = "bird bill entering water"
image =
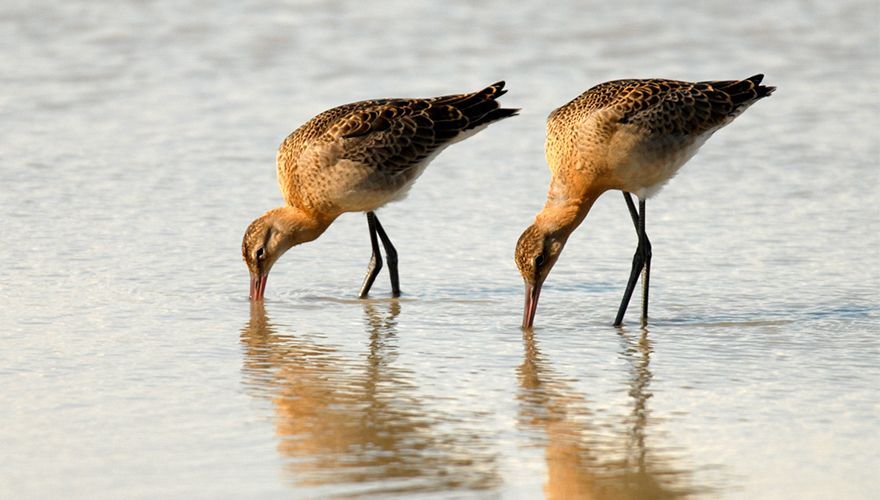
{"points": [[258, 286], [533, 291]]}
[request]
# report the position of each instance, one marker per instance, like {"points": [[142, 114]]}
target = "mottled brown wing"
{"points": [[682, 108], [479, 107], [602, 95], [397, 135]]}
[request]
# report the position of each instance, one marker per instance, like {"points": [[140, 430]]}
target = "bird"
{"points": [[358, 157], [628, 135]]}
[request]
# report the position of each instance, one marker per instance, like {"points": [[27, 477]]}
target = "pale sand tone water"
{"points": [[137, 141]]}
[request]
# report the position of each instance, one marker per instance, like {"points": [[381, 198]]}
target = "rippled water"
{"points": [[138, 139]]}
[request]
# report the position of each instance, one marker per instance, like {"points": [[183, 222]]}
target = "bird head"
{"points": [[536, 252], [268, 237]]}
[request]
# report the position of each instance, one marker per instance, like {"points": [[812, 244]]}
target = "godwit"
{"points": [[631, 135], [356, 158]]}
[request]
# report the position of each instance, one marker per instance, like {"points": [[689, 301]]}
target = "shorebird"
{"points": [[356, 158], [628, 135]]}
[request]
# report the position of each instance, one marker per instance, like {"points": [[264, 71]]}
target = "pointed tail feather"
{"points": [[482, 108], [743, 91]]}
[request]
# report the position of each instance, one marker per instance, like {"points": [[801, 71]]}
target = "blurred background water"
{"points": [[138, 138]]}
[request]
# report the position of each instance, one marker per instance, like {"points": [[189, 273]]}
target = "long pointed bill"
{"points": [[258, 286], [531, 305]]}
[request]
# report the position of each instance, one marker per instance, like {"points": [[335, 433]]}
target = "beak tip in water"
{"points": [[533, 291], [258, 287]]}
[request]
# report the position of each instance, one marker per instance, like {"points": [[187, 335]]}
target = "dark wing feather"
{"points": [[479, 107], [396, 134], [684, 108]]}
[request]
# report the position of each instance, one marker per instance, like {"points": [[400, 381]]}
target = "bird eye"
{"points": [[260, 254], [539, 260]]}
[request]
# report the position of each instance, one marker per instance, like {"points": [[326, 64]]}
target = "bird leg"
{"points": [[641, 263], [375, 264], [632, 210], [645, 245], [390, 257]]}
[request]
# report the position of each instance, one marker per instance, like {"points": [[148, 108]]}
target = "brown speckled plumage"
{"points": [[358, 156], [630, 135], [635, 134], [668, 106]]}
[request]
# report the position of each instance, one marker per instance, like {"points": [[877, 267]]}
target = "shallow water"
{"points": [[137, 140]]}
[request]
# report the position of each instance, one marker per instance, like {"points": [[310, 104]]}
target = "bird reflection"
{"points": [[356, 422], [585, 459]]}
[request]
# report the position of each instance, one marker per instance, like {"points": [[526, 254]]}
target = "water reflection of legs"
{"points": [[359, 427], [583, 459], [638, 352], [381, 322]]}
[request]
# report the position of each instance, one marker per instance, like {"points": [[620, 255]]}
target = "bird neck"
{"points": [[564, 210], [297, 226]]}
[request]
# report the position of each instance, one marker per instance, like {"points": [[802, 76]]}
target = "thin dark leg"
{"points": [[638, 263], [641, 262], [375, 264], [632, 209], [645, 245], [390, 257]]}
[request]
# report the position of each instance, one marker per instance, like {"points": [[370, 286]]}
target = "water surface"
{"points": [[138, 139]]}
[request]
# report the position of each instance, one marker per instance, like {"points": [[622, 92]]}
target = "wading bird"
{"points": [[630, 135], [356, 158]]}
